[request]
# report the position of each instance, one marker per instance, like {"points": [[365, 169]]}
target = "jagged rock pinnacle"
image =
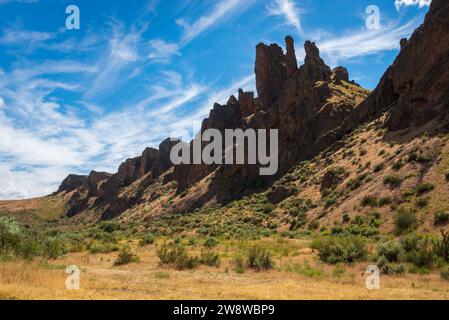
{"points": [[291, 62], [314, 66]]}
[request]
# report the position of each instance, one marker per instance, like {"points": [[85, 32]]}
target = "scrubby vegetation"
{"points": [[405, 219], [125, 256], [424, 188], [176, 256], [18, 241], [335, 250], [441, 218], [259, 258], [393, 181]]}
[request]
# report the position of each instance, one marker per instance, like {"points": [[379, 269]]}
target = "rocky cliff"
{"points": [[312, 106]]}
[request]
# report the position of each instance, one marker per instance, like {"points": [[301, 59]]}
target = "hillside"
{"points": [[363, 180]]}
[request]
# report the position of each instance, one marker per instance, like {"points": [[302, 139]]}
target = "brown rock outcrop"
{"points": [[94, 180], [271, 73], [340, 74], [72, 182]]}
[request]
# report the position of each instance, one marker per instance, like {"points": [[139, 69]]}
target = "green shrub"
{"points": [[412, 157], [346, 218], [104, 236], [393, 181], [306, 270], [390, 250], [239, 264], [384, 201], [410, 242], [447, 176], [424, 188], [445, 273], [177, 240], [422, 202], [405, 219], [267, 208], [125, 256], [147, 240], [397, 166], [357, 182], [176, 256], [259, 258], [399, 269], [443, 246], [378, 167], [101, 247], [370, 201], [53, 248], [10, 235], [425, 253], [30, 248], [109, 226], [441, 218], [335, 250], [211, 243], [209, 258]]}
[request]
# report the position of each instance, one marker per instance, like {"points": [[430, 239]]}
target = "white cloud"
{"points": [[17, 1], [405, 3], [162, 51], [365, 42], [220, 12], [288, 10], [2, 102], [14, 37], [122, 53]]}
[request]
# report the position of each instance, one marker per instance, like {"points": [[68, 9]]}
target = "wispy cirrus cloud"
{"points": [[44, 139], [121, 54], [365, 42], [162, 51], [221, 11], [17, 1], [288, 10], [18, 37], [405, 3]]}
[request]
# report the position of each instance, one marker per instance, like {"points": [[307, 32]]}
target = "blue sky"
{"points": [[138, 71]]}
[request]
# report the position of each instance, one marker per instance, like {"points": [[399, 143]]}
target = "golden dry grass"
{"points": [[147, 280]]}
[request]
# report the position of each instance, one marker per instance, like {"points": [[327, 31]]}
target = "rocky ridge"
{"points": [[313, 107]]}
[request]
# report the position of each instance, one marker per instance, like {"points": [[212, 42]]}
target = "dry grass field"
{"points": [[298, 275]]}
